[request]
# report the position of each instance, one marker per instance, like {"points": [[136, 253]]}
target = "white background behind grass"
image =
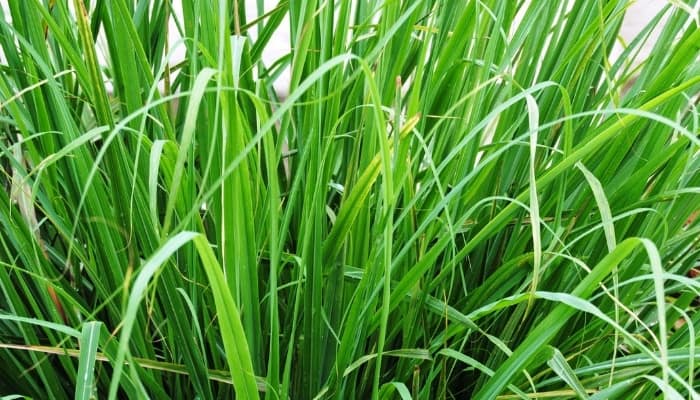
{"points": [[638, 15]]}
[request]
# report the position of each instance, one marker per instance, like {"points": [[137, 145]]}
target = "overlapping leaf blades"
{"points": [[456, 199]]}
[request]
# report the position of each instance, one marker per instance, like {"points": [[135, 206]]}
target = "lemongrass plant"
{"points": [[457, 199]]}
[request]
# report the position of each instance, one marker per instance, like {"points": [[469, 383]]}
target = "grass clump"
{"points": [[456, 199]]}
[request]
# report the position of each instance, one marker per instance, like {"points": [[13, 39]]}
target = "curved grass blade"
{"points": [[547, 328], [233, 336]]}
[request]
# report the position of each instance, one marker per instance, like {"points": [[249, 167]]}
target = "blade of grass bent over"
{"points": [[548, 328], [237, 354]]}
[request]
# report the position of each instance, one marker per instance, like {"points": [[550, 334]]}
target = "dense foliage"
{"points": [[456, 199]]}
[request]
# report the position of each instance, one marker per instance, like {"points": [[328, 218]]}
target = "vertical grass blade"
{"points": [[89, 339]]}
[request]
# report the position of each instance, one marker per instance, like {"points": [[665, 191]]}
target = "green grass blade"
{"points": [[562, 368], [546, 329], [89, 339]]}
